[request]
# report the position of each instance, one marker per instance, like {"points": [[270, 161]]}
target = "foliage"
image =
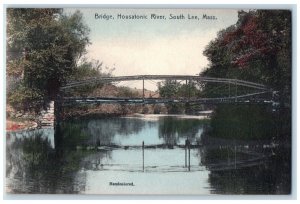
{"points": [[174, 89], [90, 69], [257, 48], [14, 67], [127, 92], [156, 109], [49, 46], [87, 70], [23, 98]]}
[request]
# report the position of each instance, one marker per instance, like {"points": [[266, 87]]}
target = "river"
{"points": [[105, 156]]}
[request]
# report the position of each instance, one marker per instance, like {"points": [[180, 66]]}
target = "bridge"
{"points": [[252, 92], [233, 91]]}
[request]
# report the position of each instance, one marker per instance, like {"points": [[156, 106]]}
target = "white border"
{"points": [[162, 3]]}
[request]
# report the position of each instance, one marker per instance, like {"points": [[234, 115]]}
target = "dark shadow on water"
{"points": [[272, 176], [259, 139], [34, 166]]}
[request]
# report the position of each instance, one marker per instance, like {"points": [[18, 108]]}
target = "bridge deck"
{"points": [[243, 99]]}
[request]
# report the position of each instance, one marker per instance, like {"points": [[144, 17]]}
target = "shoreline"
{"points": [[14, 126]]}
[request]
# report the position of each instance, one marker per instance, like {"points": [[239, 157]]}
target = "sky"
{"points": [[153, 46]]}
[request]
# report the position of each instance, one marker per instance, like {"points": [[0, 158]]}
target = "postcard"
{"points": [[148, 101]]}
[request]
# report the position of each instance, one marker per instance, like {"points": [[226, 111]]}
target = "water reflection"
{"points": [[104, 131], [270, 177], [130, 131], [176, 131], [247, 150], [34, 165], [242, 171]]}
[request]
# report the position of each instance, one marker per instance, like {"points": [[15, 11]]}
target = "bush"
{"points": [[23, 98]]}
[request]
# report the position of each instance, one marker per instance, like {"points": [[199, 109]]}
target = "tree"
{"points": [[168, 88], [50, 44], [86, 70], [174, 89], [257, 48]]}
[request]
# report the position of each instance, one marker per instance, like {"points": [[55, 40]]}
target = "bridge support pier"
{"points": [[57, 122]]}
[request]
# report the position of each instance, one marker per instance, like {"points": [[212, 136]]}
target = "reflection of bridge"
{"points": [[232, 91], [252, 92]]}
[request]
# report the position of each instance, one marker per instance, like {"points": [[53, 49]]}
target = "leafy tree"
{"points": [[25, 98], [257, 48], [86, 70], [168, 89], [49, 45], [174, 89]]}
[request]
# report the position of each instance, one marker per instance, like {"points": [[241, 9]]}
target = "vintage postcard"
{"points": [[148, 101]]}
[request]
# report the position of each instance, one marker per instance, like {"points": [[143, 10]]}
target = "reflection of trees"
{"points": [[95, 160], [251, 180], [104, 131], [72, 134], [223, 156], [244, 122], [129, 126], [172, 129], [273, 176], [99, 131], [34, 167], [247, 125], [270, 178]]}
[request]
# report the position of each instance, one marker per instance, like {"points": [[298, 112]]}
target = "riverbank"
{"points": [[19, 126], [18, 121]]}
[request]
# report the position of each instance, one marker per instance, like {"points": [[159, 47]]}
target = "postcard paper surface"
{"points": [[148, 101]]}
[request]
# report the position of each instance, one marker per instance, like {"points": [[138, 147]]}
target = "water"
{"points": [[94, 153]]}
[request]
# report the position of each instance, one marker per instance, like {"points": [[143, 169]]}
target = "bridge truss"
{"points": [[237, 91]]}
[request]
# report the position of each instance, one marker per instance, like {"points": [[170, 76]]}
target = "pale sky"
{"points": [[149, 46]]}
